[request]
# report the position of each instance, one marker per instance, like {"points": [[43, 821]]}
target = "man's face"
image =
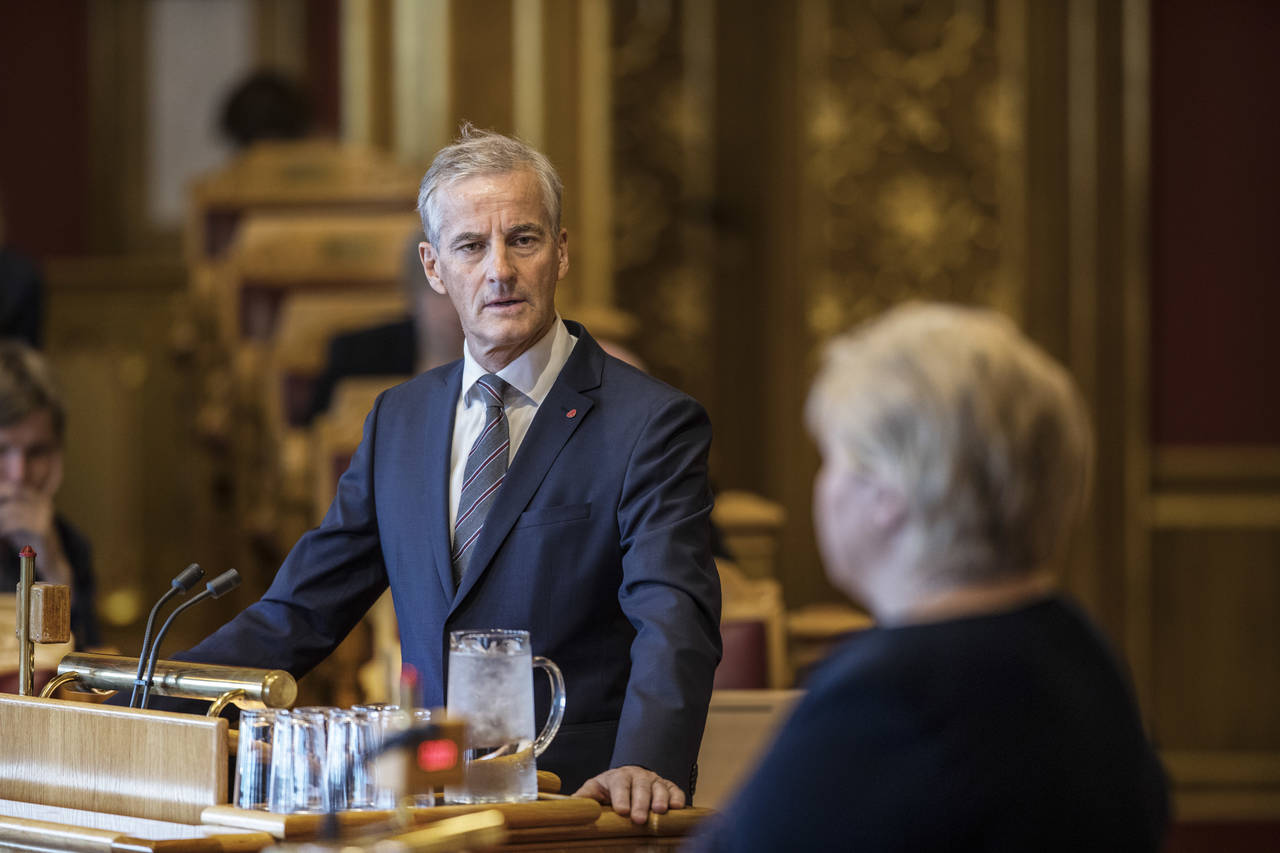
{"points": [[31, 455], [498, 260]]}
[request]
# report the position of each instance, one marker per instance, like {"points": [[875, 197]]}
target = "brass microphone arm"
{"points": [[253, 688]]}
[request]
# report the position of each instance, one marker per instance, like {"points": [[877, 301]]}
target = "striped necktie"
{"points": [[484, 472]]}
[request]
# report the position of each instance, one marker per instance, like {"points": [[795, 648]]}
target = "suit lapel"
{"points": [[437, 453], [551, 428]]}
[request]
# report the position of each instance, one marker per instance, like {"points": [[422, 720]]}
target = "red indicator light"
{"points": [[437, 755]]}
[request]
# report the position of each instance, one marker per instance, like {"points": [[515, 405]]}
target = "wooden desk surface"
{"points": [[35, 826], [550, 824]]}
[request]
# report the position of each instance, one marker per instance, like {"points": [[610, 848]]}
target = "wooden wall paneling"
{"points": [[1110, 518], [754, 113], [784, 439], [1083, 295], [134, 481], [481, 63], [117, 128], [594, 283], [1215, 529], [280, 29], [1083, 267], [45, 149], [1217, 596], [1135, 23], [1214, 264], [803, 579], [323, 65], [561, 83]]}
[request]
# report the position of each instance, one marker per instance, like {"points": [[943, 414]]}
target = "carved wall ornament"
{"points": [[902, 140]]}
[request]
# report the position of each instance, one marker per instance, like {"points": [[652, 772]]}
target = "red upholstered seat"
{"points": [[745, 665]]}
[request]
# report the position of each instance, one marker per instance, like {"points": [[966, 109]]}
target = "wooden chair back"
{"points": [[753, 628], [751, 525], [276, 257], [307, 176], [336, 433]]}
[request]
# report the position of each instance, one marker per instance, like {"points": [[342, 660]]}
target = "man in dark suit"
{"points": [[587, 523]]}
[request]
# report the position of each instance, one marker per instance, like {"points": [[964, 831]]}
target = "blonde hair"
{"points": [[983, 433]]}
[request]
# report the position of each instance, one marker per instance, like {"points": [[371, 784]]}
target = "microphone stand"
{"points": [[180, 585], [216, 588]]}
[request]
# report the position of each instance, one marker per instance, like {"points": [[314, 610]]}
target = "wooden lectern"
{"points": [[85, 777], [149, 764]]}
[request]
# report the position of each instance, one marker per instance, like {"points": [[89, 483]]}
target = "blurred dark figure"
{"points": [[984, 711], [266, 105], [21, 293], [428, 337], [32, 420]]}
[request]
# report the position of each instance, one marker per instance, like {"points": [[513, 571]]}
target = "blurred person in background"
{"points": [[32, 421], [429, 336], [985, 711], [265, 105]]}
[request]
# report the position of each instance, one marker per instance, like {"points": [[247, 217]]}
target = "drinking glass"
{"points": [[253, 759], [298, 759], [385, 770]]}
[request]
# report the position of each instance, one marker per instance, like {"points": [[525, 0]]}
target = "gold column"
{"points": [[1082, 258], [528, 76], [366, 76], [1135, 138], [421, 78], [594, 252], [279, 30]]}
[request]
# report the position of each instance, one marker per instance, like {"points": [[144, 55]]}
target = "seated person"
{"points": [[31, 430], [428, 337], [984, 712]]}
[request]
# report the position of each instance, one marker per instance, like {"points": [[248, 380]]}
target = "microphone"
{"points": [[216, 588], [186, 579]]}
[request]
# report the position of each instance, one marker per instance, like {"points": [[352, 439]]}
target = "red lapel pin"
{"points": [[572, 413]]}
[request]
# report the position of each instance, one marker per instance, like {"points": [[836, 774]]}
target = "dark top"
{"points": [[21, 298], [1013, 731], [387, 350], [75, 547]]}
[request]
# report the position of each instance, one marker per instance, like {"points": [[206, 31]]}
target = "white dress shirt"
{"points": [[531, 374]]}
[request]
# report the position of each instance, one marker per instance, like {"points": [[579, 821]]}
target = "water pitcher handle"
{"points": [[557, 705]]}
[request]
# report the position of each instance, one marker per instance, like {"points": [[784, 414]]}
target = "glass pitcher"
{"points": [[490, 686]]}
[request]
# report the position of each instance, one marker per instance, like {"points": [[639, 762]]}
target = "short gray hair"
{"points": [[985, 435], [27, 386], [484, 152]]}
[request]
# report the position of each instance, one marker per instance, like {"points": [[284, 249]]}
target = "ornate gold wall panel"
{"points": [[662, 153], [903, 131]]}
